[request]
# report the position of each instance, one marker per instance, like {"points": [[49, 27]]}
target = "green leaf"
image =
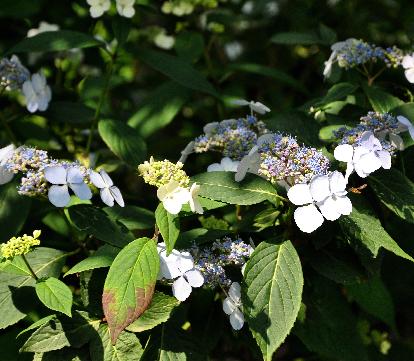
{"points": [[221, 186], [159, 108], [55, 295], [363, 227], [127, 347], [395, 191], [337, 92], [55, 41], [124, 141], [169, 226], [158, 312], [37, 324], [272, 294], [380, 100], [189, 45], [13, 211], [70, 112], [206, 203], [176, 69], [96, 222], [269, 72], [374, 298], [56, 334], [103, 257], [121, 28], [330, 328], [132, 217], [130, 284], [46, 262], [295, 38]]}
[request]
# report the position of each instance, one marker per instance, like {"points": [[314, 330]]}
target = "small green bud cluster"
{"points": [[159, 173], [18, 246]]}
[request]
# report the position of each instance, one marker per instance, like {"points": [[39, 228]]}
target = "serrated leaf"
{"points": [[103, 257], [132, 217], [130, 284], [127, 348], [55, 41], [55, 295], [221, 186], [123, 141], [363, 227], [176, 69], [13, 211], [395, 191], [380, 100], [59, 333], [272, 294], [44, 261], [373, 296], [158, 312], [65, 354], [169, 226], [159, 108], [37, 324], [96, 222]]}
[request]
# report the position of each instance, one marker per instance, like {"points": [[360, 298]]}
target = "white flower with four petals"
{"points": [[62, 179], [254, 106], [37, 93], [109, 192], [365, 158], [125, 8], [173, 196], [326, 192]]}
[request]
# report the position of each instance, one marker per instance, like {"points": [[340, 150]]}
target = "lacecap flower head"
{"points": [[18, 246]]}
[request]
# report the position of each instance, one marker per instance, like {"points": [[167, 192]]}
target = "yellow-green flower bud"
{"points": [[159, 173], [17, 246]]}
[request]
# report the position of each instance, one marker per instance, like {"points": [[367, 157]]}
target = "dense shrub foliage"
{"points": [[206, 180]]}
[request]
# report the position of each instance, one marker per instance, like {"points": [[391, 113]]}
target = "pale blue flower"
{"points": [[62, 179], [109, 192]]}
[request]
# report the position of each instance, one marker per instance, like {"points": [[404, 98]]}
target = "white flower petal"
{"points": [[106, 178], [74, 175], [215, 167], [300, 194], [369, 163], [185, 262], [194, 278], [329, 209], [237, 319], [81, 190], [116, 193], [344, 205], [97, 179], [181, 289], [107, 197], [5, 175], [337, 182], [59, 195], [344, 153], [409, 74], [308, 218], [235, 292], [408, 62], [385, 159], [6, 153], [229, 165], [228, 306], [171, 206], [396, 141], [319, 188], [55, 174]]}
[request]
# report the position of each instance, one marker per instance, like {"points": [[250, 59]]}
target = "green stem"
{"points": [[101, 101], [29, 268]]}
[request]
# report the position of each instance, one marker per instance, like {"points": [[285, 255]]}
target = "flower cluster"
{"points": [[18, 246], [173, 185], [99, 7], [12, 73], [233, 138], [352, 52], [14, 76], [211, 261], [371, 144], [42, 174], [179, 266]]}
